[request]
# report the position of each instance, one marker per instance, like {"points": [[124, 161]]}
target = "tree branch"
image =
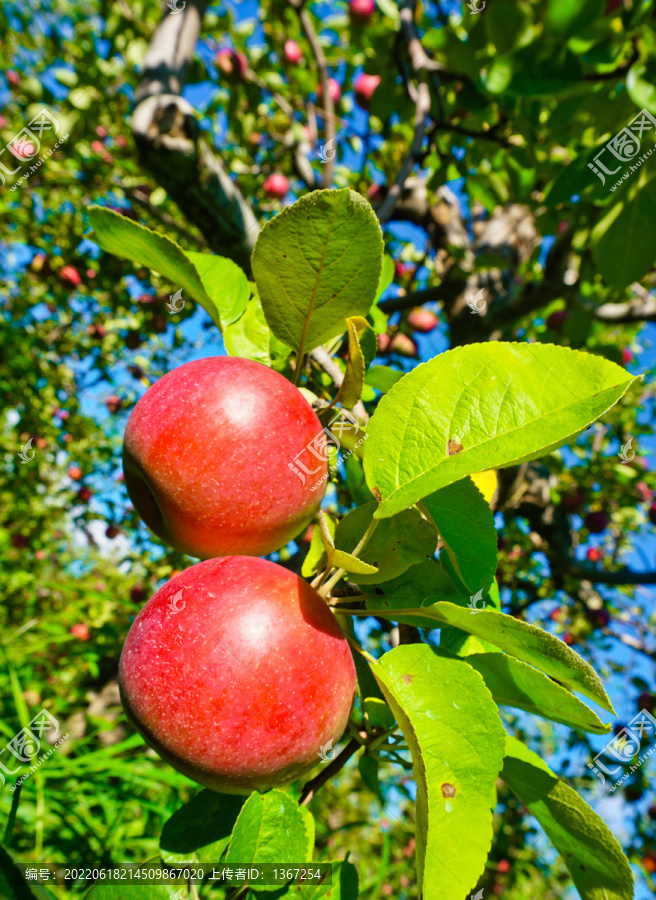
{"points": [[331, 769], [621, 576]]}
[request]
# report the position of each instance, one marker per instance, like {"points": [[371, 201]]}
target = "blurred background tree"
{"points": [[478, 135]]}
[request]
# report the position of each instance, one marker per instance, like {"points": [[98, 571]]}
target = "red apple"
{"points": [[567, 637], [237, 674], [216, 458], [75, 472], [97, 146], [384, 341], [137, 593], [13, 78], [231, 63], [96, 331], [596, 522], [80, 631], [364, 88], [361, 11], [276, 186], [599, 617], [121, 141], [422, 320], [644, 492], [84, 495], [335, 91], [404, 345], [503, 865], [112, 532], [627, 356], [113, 403], [557, 319], [293, 52], [594, 554], [101, 131], [69, 276]]}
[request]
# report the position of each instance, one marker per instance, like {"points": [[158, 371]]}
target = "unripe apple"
{"points": [[293, 52], [216, 458], [69, 276], [276, 186], [422, 320], [557, 319], [360, 11], [596, 522], [404, 345], [237, 674], [80, 631], [364, 88], [334, 89], [231, 63]]}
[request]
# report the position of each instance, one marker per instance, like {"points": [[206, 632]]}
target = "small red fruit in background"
{"points": [[422, 320], [138, 593], [360, 11], [121, 141], [644, 492], [334, 89], [594, 554], [96, 331], [404, 345], [97, 146], [557, 319], [276, 186], [599, 617], [596, 522], [75, 472], [384, 341], [652, 513], [503, 865], [69, 276], [101, 131], [293, 52], [113, 403], [19, 541], [84, 495], [567, 637], [627, 356], [112, 532], [646, 700], [231, 63], [80, 631], [269, 668], [213, 457], [13, 78], [364, 88], [573, 500]]}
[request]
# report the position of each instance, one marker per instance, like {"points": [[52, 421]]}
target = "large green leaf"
{"points": [[456, 738], [527, 642], [513, 683], [481, 406], [213, 281], [270, 829], [624, 239], [395, 545], [249, 336], [466, 525], [317, 263], [591, 853], [200, 831]]}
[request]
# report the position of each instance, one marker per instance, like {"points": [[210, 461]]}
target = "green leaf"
{"points": [[591, 853], [12, 882], [344, 885], [250, 337], [270, 829], [351, 388], [224, 282], [465, 523], [641, 90], [624, 239], [382, 378], [200, 831], [419, 586], [378, 713], [482, 406], [513, 683], [527, 642], [456, 739], [317, 550], [395, 545], [368, 768], [350, 563], [317, 263], [386, 277], [118, 235]]}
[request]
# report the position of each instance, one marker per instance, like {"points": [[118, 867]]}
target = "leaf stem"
{"points": [[332, 581]]}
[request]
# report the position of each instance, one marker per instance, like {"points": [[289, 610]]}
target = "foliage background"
{"points": [[498, 197]]}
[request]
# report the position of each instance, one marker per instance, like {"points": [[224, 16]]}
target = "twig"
{"points": [[331, 769], [320, 59]]}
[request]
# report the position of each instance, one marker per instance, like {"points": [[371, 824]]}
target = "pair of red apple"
{"points": [[235, 671]]}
